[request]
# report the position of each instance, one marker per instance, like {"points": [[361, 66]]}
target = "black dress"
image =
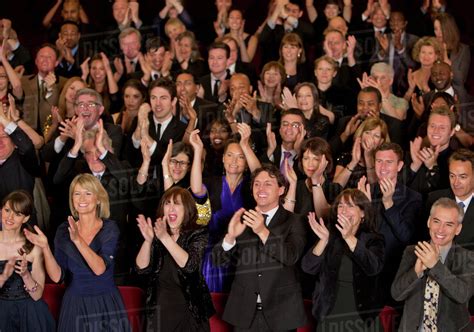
{"points": [[18, 311]]}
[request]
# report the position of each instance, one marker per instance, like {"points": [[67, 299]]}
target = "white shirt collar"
{"points": [[466, 202], [164, 124], [270, 214]]}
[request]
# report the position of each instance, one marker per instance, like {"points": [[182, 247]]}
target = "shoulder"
{"points": [[110, 225]]}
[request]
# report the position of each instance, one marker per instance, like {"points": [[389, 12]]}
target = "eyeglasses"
{"points": [[295, 125], [179, 163], [83, 106]]}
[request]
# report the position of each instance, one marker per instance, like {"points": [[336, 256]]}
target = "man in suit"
{"points": [[265, 244], [71, 53], [436, 278], [216, 84], [235, 64], [461, 180], [41, 91]]}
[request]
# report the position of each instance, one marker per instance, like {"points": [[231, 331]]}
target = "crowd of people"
{"points": [[328, 155]]}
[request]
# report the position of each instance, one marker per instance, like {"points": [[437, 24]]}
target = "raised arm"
{"points": [[196, 168], [50, 14], [252, 160]]}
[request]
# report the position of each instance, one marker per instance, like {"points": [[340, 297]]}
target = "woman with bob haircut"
{"points": [[171, 254], [84, 253]]}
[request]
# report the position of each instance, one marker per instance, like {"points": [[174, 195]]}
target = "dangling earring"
{"points": [[299, 55]]}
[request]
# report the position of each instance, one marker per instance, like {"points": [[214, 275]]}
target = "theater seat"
{"points": [[311, 325], [387, 317], [134, 301], [217, 324], [53, 296]]}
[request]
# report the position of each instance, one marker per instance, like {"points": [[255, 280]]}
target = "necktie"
{"points": [[215, 92], [98, 176], [132, 65], [461, 205], [286, 156], [430, 306], [42, 90], [155, 77], [265, 219], [158, 131]]}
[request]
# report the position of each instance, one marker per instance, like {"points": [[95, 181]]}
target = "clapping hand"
{"points": [[146, 228], [427, 253]]}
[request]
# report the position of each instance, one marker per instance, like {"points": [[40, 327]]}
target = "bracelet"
{"points": [[350, 170], [317, 185], [290, 200], [33, 289]]}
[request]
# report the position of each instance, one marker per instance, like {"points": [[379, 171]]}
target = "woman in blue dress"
{"points": [[84, 249], [21, 271]]}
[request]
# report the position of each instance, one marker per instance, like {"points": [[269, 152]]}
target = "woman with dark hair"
{"points": [[292, 57], [22, 272], [134, 94], [177, 295], [247, 43], [270, 85], [84, 257], [346, 258]]}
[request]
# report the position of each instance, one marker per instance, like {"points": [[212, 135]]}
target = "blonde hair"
{"points": [[62, 96], [426, 41], [370, 124], [92, 184]]}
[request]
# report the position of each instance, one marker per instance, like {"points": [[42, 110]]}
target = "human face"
{"points": [[3, 79], [132, 98], [324, 72], [439, 102], [336, 44], [367, 104], [387, 165], [439, 130], [12, 220], [444, 226], [378, 18], [290, 127], [374, 135], [331, 11], [185, 86], [179, 166], [185, 47], [351, 211], [293, 10], [272, 78], [130, 46], [441, 76], [71, 91], [6, 144], [461, 178], [119, 10], [310, 162], [438, 31], [290, 52], [91, 155], [397, 23], [266, 191], [338, 23], [235, 20], [156, 57], [239, 86], [223, 4], [161, 103], [234, 160], [70, 34], [97, 72], [427, 55], [87, 108], [217, 61], [218, 136], [385, 80], [84, 201], [173, 211], [173, 31], [305, 99], [70, 12], [46, 60]]}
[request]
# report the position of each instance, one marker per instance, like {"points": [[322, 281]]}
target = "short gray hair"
{"points": [[448, 203], [382, 67], [90, 92]]}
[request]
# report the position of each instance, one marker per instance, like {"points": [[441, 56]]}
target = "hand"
{"points": [[345, 226], [254, 220], [235, 227], [351, 45], [419, 266], [118, 64], [160, 228], [145, 150], [263, 93], [20, 70], [318, 175], [99, 138], [9, 268], [188, 110], [79, 134], [363, 186], [300, 137], [250, 104], [67, 129], [169, 152], [39, 239], [429, 156], [21, 267], [288, 99], [415, 147], [271, 139], [245, 131], [196, 141], [364, 82], [356, 152], [134, 7], [418, 105], [146, 228], [73, 230], [290, 173], [352, 126], [50, 80], [143, 111], [388, 189], [55, 116], [105, 62], [85, 68], [427, 253], [4, 120], [13, 112], [320, 228], [383, 41]]}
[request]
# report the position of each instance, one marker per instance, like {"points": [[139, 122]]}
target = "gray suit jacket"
{"points": [[456, 280]]}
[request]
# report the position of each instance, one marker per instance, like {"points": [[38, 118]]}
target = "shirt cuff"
{"points": [[226, 246], [10, 128], [271, 25], [136, 143], [72, 156], [153, 147], [58, 145], [103, 155]]}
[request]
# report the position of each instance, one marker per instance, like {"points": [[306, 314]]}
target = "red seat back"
{"points": [[217, 324], [53, 296], [134, 301]]}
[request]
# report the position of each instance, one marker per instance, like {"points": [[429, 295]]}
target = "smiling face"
{"points": [[97, 71], [461, 178], [324, 72], [272, 78], [331, 11], [185, 47], [290, 127], [70, 11], [185, 86], [387, 165], [441, 76], [378, 18], [87, 108], [397, 22], [156, 57], [367, 104], [46, 60], [173, 212], [266, 191], [130, 46], [179, 166], [439, 130], [374, 135], [71, 91], [336, 44], [218, 136], [12, 220], [84, 201], [91, 155], [438, 31], [239, 85], [348, 209], [305, 99], [119, 10], [70, 33], [235, 20], [310, 162], [161, 103], [427, 55], [217, 61], [290, 52], [443, 225], [234, 160]]}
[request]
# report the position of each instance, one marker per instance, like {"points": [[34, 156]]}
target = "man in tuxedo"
{"points": [[71, 54], [41, 91], [461, 180], [216, 84], [265, 244], [435, 278]]}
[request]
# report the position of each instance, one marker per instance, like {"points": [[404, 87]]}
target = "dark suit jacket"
{"points": [[269, 270], [206, 113], [456, 281], [205, 81]]}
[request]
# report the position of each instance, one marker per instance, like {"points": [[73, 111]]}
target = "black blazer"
{"points": [[456, 281], [206, 113], [269, 270], [367, 262]]}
